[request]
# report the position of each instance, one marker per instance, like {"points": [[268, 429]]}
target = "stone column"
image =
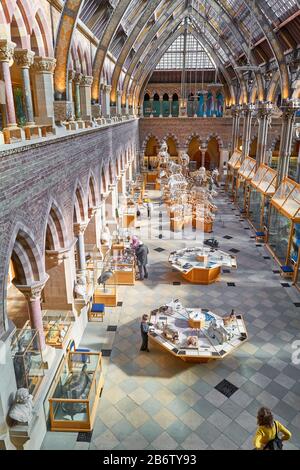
{"points": [[79, 230], [248, 114], [161, 101], [78, 77], [203, 149], [264, 112], [107, 90], [289, 109], [71, 77], [86, 97], [24, 59], [59, 291], [44, 92], [12, 133], [33, 296], [119, 103], [151, 106], [236, 112], [171, 107], [127, 105]]}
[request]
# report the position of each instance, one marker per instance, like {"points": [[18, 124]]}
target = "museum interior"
{"points": [[150, 224]]}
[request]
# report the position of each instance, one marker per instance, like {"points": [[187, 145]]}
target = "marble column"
{"points": [[151, 107], [236, 116], [78, 77], [86, 97], [11, 132], [33, 296], [171, 107], [71, 77], [248, 110], [289, 109], [264, 113], [203, 150], [44, 92], [79, 230], [161, 102], [24, 59], [127, 105], [107, 90], [119, 103]]}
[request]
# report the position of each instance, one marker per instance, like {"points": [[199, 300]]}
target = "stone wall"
{"points": [[34, 176]]}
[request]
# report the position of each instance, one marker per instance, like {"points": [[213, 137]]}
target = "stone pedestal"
{"points": [[96, 111], [63, 111], [44, 68]]}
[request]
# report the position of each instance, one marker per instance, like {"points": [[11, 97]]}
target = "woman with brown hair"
{"points": [[267, 435]]}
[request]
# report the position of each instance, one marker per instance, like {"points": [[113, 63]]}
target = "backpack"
{"points": [[276, 443]]}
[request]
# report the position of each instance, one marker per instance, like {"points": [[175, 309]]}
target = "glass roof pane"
{"points": [[196, 56], [282, 8]]}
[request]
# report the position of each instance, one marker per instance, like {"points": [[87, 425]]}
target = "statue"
{"points": [[80, 287], [21, 409]]}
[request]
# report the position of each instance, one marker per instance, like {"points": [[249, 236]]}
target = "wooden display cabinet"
{"points": [[107, 296], [75, 392]]}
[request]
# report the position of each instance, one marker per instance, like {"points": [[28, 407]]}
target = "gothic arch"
{"points": [[79, 204], [55, 232]]}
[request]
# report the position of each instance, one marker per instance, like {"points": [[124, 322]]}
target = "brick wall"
{"points": [[34, 175], [184, 129]]}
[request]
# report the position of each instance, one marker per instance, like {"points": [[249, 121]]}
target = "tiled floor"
{"points": [[156, 401]]}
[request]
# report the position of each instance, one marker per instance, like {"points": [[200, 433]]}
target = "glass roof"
{"points": [[196, 56]]}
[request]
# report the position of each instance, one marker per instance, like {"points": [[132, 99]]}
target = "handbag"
{"points": [[276, 443]]}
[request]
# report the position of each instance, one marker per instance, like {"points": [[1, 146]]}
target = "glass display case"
{"points": [[76, 391], [283, 237], [233, 166], [245, 174], [123, 266], [27, 359], [105, 285], [57, 326], [262, 188]]}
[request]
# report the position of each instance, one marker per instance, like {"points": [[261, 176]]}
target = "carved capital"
{"points": [[86, 80], [107, 88], [33, 292], [24, 58], [79, 228], [55, 258], [44, 64], [78, 77], [6, 50], [71, 75]]}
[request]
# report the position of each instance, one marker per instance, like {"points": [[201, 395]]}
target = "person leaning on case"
{"points": [[268, 430], [144, 333]]}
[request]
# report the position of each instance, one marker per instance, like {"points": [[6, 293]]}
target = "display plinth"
{"points": [[108, 297], [176, 225], [195, 335], [203, 276], [206, 226], [201, 265], [129, 220], [152, 177]]}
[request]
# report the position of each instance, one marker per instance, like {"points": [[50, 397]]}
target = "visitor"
{"points": [[141, 253], [149, 209], [135, 242], [267, 435], [144, 333]]}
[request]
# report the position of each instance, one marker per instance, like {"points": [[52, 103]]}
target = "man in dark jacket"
{"points": [[144, 333], [141, 253]]}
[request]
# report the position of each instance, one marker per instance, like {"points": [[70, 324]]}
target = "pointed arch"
{"points": [[79, 213], [55, 231], [92, 191]]}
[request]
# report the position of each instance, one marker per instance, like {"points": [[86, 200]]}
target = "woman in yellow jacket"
{"points": [[267, 428]]}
